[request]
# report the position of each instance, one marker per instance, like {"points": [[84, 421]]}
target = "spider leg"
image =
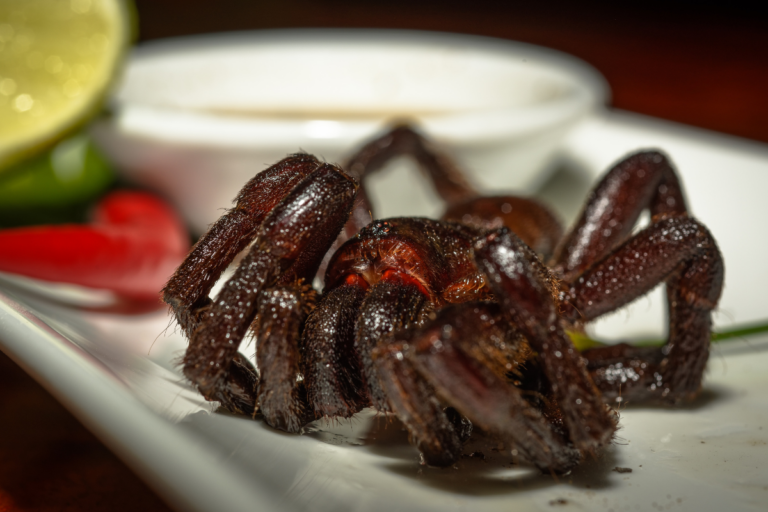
{"points": [[680, 251], [414, 402], [282, 311], [643, 180], [447, 178], [241, 383], [402, 140], [391, 305], [340, 334], [603, 277], [332, 372], [289, 246], [533, 222], [187, 290], [466, 355], [526, 292]]}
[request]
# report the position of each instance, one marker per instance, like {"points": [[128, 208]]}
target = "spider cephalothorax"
{"points": [[446, 322]]}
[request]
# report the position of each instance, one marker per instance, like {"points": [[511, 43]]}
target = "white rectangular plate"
{"points": [[117, 374]]}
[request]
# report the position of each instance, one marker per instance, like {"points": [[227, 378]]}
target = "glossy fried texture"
{"points": [[288, 248], [682, 252], [188, 289], [466, 355], [282, 312], [640, 181], [526, 294], [447, 323], [332, 368], [603, 270]]}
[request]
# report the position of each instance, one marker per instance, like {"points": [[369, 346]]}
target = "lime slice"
{"points": [[57, 59]]}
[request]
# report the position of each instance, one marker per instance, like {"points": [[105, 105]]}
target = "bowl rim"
{"points": [[199, 127]]}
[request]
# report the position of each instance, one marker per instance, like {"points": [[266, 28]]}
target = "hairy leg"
{"points": [[289, 246], [390, 306], [640, 181], [449, 182], [527, 292], [280, 399], [466, 355], [680, 251], [331, 365], [187, 290], [415, 403]]}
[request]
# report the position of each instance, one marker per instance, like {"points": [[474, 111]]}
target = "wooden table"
{"points": [[705, 66]]}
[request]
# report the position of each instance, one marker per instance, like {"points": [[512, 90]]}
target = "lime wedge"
{"points": [[57, 60]]}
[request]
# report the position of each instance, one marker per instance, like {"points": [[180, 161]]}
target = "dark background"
{"points": [[702, 63]]}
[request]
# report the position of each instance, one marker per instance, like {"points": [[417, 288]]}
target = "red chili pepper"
{"points": [[131, 247]]}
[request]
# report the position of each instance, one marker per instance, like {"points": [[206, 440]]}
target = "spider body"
{"points": [[446, 323], [434, 255]]}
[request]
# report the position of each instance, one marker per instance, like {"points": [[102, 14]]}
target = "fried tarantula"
{"points": [[446, 323]]}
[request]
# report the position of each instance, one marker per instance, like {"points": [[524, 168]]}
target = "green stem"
{"points": [[739, 332], [584, 342]]}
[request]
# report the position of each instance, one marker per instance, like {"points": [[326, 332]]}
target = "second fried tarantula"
{"points": [[446, 323]]}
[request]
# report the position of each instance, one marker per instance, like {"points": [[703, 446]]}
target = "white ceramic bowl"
{"points": [[197, 117]]}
